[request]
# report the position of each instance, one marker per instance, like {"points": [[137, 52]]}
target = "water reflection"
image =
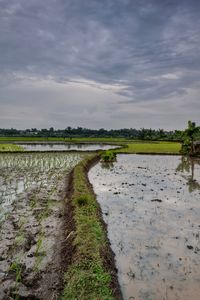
{"points": [[153, 224], [188, 166], [107, 165], [65, 147]]}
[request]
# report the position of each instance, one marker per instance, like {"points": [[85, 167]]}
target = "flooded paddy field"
{"points": [[32, 191], [65, 146], [151, 205]]}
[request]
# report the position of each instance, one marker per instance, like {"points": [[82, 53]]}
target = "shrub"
{"points": [[82, 200], [108, 156]]}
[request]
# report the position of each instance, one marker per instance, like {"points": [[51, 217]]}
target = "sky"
{"points": [[99, 63]]}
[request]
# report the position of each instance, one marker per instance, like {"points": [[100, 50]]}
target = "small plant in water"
{"points": [[108, 156]]}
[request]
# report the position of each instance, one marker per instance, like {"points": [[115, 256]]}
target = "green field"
{"points": [[147, 147], [10, 148]]}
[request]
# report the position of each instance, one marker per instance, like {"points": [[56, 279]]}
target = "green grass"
{"points": [[10, 148], [17, 269], [87, 278], [147, 147]]}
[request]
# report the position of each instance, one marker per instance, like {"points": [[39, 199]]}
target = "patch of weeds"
{"points": [[38, 253], [88, 281], [33, 202], [39, 243], [108, 156], [22, 221], [44, 214], [82, 200], [16, 267], [45, 211], [19, 239]]}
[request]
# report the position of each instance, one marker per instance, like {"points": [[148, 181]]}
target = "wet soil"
{"points": [[151, 207], [33, 227]]}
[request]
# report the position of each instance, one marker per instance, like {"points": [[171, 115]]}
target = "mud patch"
{"points": [[33, 225]]}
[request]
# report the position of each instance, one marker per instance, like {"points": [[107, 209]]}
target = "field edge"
{"points": [[91, 273]]}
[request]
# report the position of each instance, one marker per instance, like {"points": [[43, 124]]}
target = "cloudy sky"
{"points": [[99, 63]]}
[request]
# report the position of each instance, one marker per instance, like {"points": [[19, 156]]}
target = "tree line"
{"points": [[69, 132]]}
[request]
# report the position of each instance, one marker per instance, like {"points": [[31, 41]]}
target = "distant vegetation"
{"points": [[190, 134], [108, 156], [10, 148], [79, 132]]}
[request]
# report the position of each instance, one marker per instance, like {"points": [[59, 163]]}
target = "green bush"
{"points": [[82, 200], [186, 146], [108, 156]]}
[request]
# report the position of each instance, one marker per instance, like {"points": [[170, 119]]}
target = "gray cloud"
{"points": [[136, 51]]}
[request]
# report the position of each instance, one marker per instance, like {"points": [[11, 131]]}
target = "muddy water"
{"points": [[65, 147], [152, 207]]}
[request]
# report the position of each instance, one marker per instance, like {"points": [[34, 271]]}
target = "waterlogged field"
{"points": [[152, 208], [65, 147], [32, 189]]}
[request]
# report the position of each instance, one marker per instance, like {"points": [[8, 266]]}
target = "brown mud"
{"points": [[32, 261], [34, 217]]}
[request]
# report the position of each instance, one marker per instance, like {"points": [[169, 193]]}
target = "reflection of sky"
{"points": [[150, 237], [62, 147]]}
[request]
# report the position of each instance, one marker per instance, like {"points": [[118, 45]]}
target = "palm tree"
{"points": [[189, 135]]}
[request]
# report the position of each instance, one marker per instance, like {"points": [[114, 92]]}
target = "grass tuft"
{"points": [[82, 200]]}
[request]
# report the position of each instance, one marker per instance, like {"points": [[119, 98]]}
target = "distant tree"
{"points": [[189, 136]]}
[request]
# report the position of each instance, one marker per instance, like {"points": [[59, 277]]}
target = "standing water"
{"points": [[65, 147], [152, 207]]}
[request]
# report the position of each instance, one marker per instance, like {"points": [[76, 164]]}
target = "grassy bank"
{"points": [[154, 148], [88, 277], [10, 148]]}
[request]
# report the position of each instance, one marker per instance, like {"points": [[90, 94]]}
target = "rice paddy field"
{"points": [[32, 193], [151, 206], [153, 147], [10, 148]]}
